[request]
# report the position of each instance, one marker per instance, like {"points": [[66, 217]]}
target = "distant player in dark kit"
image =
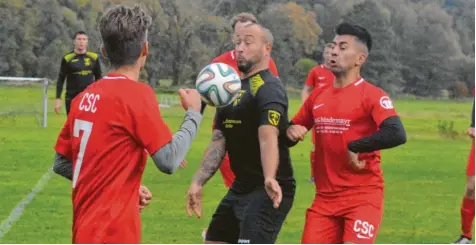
{"points": [[467, 206], [80, 68], [251, 130], [112, 126], [352, 121]]}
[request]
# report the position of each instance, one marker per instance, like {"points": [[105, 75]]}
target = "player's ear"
{"points": [[268, 46], [145, 49], [361, 59], [103, 51], [233, 37]]}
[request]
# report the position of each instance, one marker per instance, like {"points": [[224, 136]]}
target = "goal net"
{"points": [[24, 100]]}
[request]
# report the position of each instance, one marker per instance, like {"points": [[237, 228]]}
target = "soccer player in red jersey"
{"points": [[352, 121], [467, 206], [112, 126], [229, 58], [319, 78]]}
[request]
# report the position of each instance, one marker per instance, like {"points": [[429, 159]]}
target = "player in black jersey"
{"points": [[252, 131], [80, 67]]}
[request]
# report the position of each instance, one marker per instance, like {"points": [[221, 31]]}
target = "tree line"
{"points": [[421, 47]]}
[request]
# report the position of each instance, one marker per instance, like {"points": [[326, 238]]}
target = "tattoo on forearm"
{"points": [[212, 158]]}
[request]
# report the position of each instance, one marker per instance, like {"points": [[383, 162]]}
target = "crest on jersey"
{"points": [[273, 117], [87, 61], [386, 102]]}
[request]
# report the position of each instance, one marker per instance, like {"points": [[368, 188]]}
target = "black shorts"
{"points": [[248, 218]]}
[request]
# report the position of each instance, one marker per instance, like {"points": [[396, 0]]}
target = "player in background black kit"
{"points": [[80, 68], [252, 131]]}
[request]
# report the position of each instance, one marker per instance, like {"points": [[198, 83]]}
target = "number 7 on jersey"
{"points": [[86, 127]]}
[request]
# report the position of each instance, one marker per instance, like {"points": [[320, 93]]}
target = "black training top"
{"points": [[262, 101], [80, 70]]}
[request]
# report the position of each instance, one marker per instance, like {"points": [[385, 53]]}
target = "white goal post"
{"points": [[13, 82]]}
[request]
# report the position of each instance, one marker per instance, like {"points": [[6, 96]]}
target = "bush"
{"points": [[302, 69]]}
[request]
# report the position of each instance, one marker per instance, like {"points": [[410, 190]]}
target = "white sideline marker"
{"points": [[18, 210]]}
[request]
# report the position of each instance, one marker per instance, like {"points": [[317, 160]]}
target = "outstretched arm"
{"points": [[212, 158], [171, 155]]}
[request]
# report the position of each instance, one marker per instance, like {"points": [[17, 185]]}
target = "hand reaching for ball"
{"points": [[190, 99]]}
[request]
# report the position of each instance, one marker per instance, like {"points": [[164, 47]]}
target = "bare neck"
{"points": [[131, 71], [78, 51], [346, 78], [263, 65]]}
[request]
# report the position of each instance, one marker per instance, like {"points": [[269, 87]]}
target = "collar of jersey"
{"points": [[256, 73], [77, 53], [116, 76], [357, 82]]}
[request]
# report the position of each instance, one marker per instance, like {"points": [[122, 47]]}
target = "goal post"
{"points": [[24, 95]]}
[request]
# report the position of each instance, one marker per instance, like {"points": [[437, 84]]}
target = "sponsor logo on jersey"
{"points": [[229, 123], [329, 125], [332, 121]]}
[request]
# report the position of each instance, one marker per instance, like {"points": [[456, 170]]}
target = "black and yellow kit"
{"points": [[79, 70], [246, 214]]}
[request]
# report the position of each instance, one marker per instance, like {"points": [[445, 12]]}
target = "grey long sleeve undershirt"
{"points": [[63, 166], [167, 159]]}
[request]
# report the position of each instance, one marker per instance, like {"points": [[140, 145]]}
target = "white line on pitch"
{"points": [[18, 210]]}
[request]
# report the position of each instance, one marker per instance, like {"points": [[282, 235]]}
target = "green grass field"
{"points": [[425, 180]]}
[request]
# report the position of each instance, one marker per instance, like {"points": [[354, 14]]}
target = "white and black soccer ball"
{"points": [[218, 84]]}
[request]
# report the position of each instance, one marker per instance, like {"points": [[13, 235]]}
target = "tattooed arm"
{"points": [[212, 158], [211, 161]]}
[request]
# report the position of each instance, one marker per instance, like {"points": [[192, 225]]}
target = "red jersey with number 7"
{"points": [[339, 116], [112, 125]]}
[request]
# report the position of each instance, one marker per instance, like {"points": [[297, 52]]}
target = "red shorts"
{"points": [[226, 172], [470, 167], [343, 220]]}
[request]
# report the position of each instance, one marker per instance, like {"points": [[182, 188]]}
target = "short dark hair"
{"points": [[79, 33], [123, 31], [357, 31], [243, 17]]}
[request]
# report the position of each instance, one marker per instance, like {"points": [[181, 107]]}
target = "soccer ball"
{"points": [[218, 84]]}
